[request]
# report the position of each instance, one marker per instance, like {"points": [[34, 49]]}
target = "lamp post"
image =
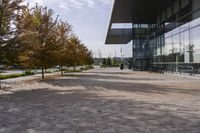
{"points": [[122, 59]]}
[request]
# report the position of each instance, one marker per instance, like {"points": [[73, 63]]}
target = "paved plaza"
{"points": [[101, 101]]}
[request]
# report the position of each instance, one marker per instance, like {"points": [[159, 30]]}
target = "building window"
{"points": [[184, 27], [195, 22], [195, 43], [185, 43], [168, 45], [163, 16], [184, 3], [169, 12], [176, 43], [176, 6], [196, 6]]}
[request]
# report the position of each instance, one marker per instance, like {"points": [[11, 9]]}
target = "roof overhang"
{"points": [[119, 36], [133, 11]]}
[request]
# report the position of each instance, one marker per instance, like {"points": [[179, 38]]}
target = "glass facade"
{"points": [[173, 43], [128, 55]]}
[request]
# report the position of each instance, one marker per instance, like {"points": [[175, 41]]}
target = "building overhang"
{"points": [[133, 11], [119, 36]]}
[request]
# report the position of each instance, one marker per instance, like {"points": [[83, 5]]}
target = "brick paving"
{"points": [[102, 101]]}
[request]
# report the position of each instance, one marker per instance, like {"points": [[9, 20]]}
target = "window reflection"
{"points": [[183, 40], [195, 39]]}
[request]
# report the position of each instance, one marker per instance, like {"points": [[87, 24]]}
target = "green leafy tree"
{"points": [[115, 62], [9, 10], [104, 63], [64, 31], [109, 61], [89, 58], [86, 56], [37, 33], [73, 58], [77, 53]]}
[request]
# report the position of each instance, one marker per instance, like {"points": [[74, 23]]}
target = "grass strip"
{"points": [[13, 76]]}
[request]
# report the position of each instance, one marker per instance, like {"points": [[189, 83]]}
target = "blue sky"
{"points": [[89, 18]]}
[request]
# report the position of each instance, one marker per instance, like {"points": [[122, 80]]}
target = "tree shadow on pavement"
{"points": [[110, 76], [92, 82], [49, 111]]}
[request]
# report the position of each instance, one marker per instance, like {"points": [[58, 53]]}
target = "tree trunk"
{"points": [[0, 83], [42, 72], [61, 69], [35, 70], [74, 68]]}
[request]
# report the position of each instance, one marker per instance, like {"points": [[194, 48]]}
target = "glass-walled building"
{"points": [[165, 34]]}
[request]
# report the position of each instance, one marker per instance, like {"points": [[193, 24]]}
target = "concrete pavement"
{"points": [[102, 101]]}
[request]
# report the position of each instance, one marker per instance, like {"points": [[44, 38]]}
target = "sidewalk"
{"points": [[102, 101]]}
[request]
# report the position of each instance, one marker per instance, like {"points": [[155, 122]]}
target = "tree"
{"points": [[64, 30], [8, 16], [37, 33], [83, 57], [115, 62], [73, 58], [109, 61], [77, 53], [89, 58], [104, 63]]}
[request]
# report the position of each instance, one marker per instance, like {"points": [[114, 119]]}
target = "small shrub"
{"points": [[48, 72], [71, 71], [103, 66], [10, 76], [82, 69], [16, 75], [89, 67], [28, 72], [56, 70]]}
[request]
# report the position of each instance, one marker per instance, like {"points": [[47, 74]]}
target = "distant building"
{"points": [[165, 33]]}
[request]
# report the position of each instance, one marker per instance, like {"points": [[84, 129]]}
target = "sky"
{"points": [[90, 20]]}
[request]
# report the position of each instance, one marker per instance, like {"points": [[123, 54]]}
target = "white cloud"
{"points": [[90, 3], [33, 2], [76, 4], [63, 5], [70, 4], [80, 4], [106, 2]]}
